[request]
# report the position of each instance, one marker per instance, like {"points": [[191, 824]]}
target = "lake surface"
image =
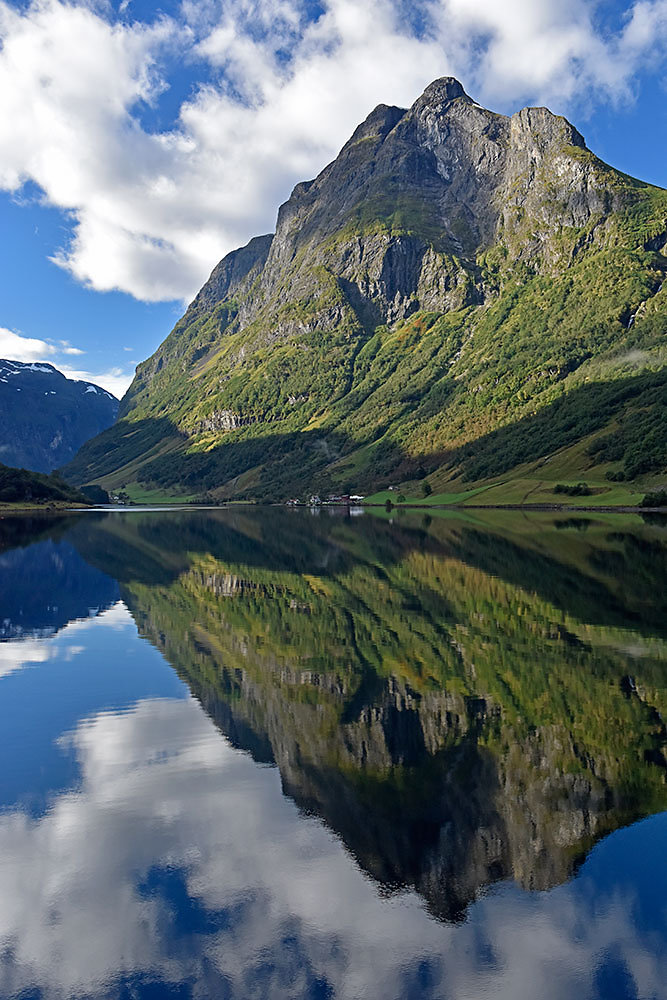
{"points": [[268, 753]]}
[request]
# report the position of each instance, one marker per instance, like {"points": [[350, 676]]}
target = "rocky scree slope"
{"points": [[457, 294], [46, 417]]}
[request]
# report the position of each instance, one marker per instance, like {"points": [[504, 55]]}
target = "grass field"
{"points": [[518, 493], [142, 495]]}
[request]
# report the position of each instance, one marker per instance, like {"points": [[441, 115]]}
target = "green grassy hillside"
{"points": [[502, 328]]}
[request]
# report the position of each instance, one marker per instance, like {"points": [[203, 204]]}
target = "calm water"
{"points": [[274, 754]]}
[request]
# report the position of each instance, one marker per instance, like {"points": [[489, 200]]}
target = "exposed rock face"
{"points": [[224, 420], [233, 273], [45, 417], [442, 211], [468, 168]]}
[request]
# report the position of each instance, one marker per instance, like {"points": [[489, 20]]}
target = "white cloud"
{"points": [[16, 347], [114, 380], [21, 653], [116, 617], [66, 348], [153, 211]]}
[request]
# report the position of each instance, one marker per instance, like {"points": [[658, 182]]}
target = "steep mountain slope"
{"points": [[458, 294], [46, 417]]}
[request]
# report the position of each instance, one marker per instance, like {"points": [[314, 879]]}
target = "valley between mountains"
{"points": [[463, 305]]}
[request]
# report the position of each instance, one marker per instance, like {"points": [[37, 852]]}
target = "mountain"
{"points": [[46, 417], [460, 295]]}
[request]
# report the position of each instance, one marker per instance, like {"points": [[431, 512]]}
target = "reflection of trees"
{"points": [[460, 704]]}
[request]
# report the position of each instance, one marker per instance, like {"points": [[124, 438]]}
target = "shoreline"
{"points": [[111, 508], [516, 506], [39, 508]]}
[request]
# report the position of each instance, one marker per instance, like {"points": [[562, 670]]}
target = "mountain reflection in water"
{"points": [[462, 702]]}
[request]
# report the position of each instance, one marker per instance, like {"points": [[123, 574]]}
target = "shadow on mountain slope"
{"points": [[573, 416], [254, 462]]}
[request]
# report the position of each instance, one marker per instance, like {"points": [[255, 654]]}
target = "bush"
{"points": [[656, 499], [427, 489], [579, 490], [95, 493]]}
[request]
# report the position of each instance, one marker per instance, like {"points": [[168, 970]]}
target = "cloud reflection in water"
{"points": [[179, 861]]}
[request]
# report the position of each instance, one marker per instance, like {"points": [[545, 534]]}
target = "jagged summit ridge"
{"points": [[465, 169], [500, 248]]}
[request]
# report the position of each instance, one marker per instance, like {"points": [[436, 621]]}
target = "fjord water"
{"points": [[268, 753]]}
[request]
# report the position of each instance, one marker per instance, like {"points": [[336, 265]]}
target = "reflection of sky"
{"points": [[48, 685], [175, 860]]}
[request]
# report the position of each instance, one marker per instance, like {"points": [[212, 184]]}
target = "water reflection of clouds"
{"points": [[89, 892], [21, 653], [116, 617], [17, 655]]}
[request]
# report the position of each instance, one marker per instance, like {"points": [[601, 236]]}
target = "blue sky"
{"points": [[140, 143]]}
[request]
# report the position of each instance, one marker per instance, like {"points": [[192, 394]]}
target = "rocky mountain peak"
{"points": [[448, 174], [379, 123], [441, 92], [508, 236]]}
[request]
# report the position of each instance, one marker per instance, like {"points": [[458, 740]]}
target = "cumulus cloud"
{"points": [[114, 380], [27, 652], [37, 648], [116, 617], [274, 95], [16, 347], [66, 348]]}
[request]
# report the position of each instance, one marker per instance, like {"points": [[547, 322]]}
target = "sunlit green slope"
{"points": [[460, 296]]}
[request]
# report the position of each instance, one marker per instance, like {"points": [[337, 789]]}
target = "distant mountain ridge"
{"points": [[46, 417], [460, 295]]}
